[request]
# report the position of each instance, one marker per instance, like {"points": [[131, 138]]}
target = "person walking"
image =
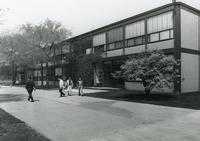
{"points": [[30, 86], [61, 87], [69, 84], [80, 86]]}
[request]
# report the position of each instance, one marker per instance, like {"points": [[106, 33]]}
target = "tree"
{"points": [[10, 52], [153, 68], [33, 43], [42, 37]]}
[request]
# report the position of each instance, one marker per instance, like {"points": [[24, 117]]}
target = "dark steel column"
{"points": [[177, 46]]}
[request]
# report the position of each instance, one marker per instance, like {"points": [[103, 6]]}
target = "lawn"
{"points": [[191, 100]]}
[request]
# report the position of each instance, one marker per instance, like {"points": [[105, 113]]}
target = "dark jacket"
{"points": [[30, 85]]}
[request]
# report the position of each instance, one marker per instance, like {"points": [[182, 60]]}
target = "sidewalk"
{"points": [[77, 118]]}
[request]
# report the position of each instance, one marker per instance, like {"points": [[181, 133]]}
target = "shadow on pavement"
{"points": [[190, 101], [11, 97]]}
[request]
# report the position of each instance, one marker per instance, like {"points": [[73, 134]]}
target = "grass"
{"points": [[191, 100]]}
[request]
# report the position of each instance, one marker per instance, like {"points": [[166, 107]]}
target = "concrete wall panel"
{"points": [[135, 49], [161, 45], [189, 30], [189, 72], [117, 52]]}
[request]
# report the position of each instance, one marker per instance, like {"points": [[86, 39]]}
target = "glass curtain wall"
{"points": [[115, 38], [135, 34], [160, 27], [99, 42]]}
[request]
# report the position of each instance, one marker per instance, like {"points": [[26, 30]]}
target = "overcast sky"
{"points": [[79, 16]]}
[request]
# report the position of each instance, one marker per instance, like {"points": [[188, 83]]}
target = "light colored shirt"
{"points": [[61, 84], [69, 83], [80, 83]]}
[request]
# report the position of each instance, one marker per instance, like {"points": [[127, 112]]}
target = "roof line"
{"points": [[134, 17]]}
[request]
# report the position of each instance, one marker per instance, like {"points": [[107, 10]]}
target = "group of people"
{"points": [[68, 85], [64, 86]]}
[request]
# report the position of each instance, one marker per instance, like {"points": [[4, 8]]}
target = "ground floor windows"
{"points": [[89, 51], [103, 73], [58, 71]]}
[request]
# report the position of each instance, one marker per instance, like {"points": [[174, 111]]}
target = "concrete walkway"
{"points": [[77, 118]]}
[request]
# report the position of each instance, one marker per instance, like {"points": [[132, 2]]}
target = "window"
{"points": [[66, 49], [136, 41], [135, 33], [130, 42], [139, 40], [135, 29], [99, 39], [58, 51], [89, 51], [111, 46], [164, 35], [44, 64], [154, 37], [50, 63], [58, 71], [115, 35], [161, 22], [99, 49], [51, 53], [118, 45], [171, 34], [115, 45], [99, 42], [44, 72], [37, 73], [159, 36]]}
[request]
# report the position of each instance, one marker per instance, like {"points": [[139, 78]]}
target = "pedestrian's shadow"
{"points": [[37, 100]]}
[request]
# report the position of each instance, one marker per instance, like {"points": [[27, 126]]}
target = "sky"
{"points": [[79, 16]]}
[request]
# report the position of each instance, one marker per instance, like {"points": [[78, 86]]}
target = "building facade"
{"points": [[173, 28]]}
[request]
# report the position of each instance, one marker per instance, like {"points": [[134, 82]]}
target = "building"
{"points": [[173, 28]]}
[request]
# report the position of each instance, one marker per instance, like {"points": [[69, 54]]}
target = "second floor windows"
{"points": [[99, 42], [99, 49], [135, 41], [160, 36], [115, 38], [160, 27], [115, 45], [135, 34], [160, 22]]}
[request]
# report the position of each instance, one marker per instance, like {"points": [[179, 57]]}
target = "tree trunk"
{"points": [[147, 90], [47, 75]]}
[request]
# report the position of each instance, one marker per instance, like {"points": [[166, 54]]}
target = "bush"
{"points": [[153, 68]]}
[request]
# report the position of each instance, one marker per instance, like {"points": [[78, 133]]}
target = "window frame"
{"points": [[171, 30], [134, 38], [107, 45]]}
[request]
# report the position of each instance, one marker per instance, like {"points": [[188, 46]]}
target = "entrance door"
{"points": [[107, 70], [116, 67]]}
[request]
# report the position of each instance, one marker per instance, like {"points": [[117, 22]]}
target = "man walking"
{"points": [[61, 87], [80, 87], [30, 86], [69, 84]]}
